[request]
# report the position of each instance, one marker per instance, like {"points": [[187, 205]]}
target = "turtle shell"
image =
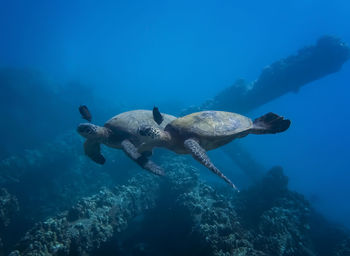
{"points": [[127, 124], [211, 124]]}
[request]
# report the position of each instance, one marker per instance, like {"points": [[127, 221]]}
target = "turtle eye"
{"points": [[88, 130]]}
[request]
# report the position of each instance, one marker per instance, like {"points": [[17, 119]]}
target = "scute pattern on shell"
{"points": [[212, 123], [131, 120], [127, 125]]}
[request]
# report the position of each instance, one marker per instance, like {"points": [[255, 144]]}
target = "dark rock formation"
{"points": [[283, 76]]}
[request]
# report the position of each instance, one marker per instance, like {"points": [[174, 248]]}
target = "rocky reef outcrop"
{"points": [[92, 221], [266, 219]]}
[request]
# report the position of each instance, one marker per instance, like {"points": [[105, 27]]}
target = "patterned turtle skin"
{"points": [[211, 128]]}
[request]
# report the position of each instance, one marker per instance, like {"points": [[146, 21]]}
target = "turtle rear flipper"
{"points": [[93, 150], [85, 113], [270, 123], [131, 151], [201, 156]]}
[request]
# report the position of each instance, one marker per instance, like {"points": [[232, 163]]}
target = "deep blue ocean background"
{"points": [[116, 56]]}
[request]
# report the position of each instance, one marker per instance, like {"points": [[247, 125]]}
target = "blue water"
{"points": [[137, 54]]}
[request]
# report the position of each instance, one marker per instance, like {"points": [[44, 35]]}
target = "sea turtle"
{"points": [[198, 132], [122, 132]]}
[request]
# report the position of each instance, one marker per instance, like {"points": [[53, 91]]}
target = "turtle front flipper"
{"points": [[201, 156], [270, 123], [131, 151], [157, 116], [92, 149]]}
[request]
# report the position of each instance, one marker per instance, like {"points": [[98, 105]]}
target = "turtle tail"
{"points": [[270, 123]]}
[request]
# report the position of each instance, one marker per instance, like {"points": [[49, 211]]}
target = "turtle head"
{"points": [[89, 131]]}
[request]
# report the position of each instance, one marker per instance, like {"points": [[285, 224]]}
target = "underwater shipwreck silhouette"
{"points": [[266, 219]]}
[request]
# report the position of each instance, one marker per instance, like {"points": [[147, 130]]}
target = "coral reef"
{"points": [[97, 218], [52, 178], [215, 220], [279, 218], [266, 219], [92, 221]]}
